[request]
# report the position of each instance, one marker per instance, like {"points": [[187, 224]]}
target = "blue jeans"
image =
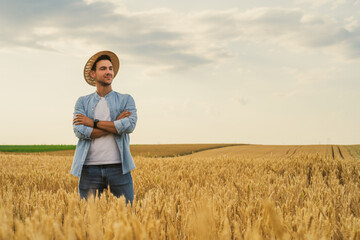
{"points": [[98, 177]]}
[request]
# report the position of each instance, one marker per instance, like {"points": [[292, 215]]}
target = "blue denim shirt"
{"points": [[117, 103]]}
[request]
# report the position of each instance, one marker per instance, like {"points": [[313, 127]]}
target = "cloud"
{"points": [[351, 24], [168, 39], [318, 3]]}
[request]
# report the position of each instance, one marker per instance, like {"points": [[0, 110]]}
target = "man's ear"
{"points": [[92, 74]]}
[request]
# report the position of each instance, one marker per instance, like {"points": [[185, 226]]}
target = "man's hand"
{"points": [[124, 114], [84, 120]]}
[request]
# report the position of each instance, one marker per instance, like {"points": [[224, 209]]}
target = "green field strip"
{"points": [[35, 148]]}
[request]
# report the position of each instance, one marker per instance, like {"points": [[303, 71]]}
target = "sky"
{"points": [[258, 72]]}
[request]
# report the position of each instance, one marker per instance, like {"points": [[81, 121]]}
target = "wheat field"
{"points": [[234, 192]]}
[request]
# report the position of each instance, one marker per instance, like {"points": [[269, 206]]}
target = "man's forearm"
{"points": [[96, 133], [107, 126]]}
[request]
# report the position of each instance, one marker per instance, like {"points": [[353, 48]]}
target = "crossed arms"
{"points": [[124, 123], [103, 127]]}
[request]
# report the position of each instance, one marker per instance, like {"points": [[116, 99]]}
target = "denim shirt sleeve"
{"points": [[81, 131], [127, 125]]}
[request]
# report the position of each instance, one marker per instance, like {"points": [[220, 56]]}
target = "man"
{"points": [[102, 122]]}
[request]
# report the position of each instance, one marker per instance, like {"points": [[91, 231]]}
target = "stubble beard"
{"points": [[103, 83]]}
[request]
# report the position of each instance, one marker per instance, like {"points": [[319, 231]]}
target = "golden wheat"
{"points": [[305, 196]]}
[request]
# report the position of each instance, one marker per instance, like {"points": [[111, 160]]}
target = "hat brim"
{"points": [[87, 69]]}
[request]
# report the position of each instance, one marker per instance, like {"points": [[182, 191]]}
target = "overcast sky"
{"points": [[264, 72]]}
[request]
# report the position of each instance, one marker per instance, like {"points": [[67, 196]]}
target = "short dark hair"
{"points": [[102, 57]]}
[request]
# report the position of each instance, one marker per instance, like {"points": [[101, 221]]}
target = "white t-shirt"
{"points": [[103, 150]]}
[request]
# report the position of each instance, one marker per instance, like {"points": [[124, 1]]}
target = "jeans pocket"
{"points": [[116, 178], [90, 178]]}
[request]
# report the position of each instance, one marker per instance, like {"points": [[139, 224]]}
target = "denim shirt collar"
{"points": [[97, 96]]}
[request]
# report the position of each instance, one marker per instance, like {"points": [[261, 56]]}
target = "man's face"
{"points": [[104, 73]]}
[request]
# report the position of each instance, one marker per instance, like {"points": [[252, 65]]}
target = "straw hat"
{"points": [[114, 60]]}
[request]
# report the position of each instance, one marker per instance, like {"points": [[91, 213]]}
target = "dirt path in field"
{"points": [[52, 153]]}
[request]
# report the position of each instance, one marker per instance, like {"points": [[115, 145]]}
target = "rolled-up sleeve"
{"points": [[81, 131], [127, 125]]}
